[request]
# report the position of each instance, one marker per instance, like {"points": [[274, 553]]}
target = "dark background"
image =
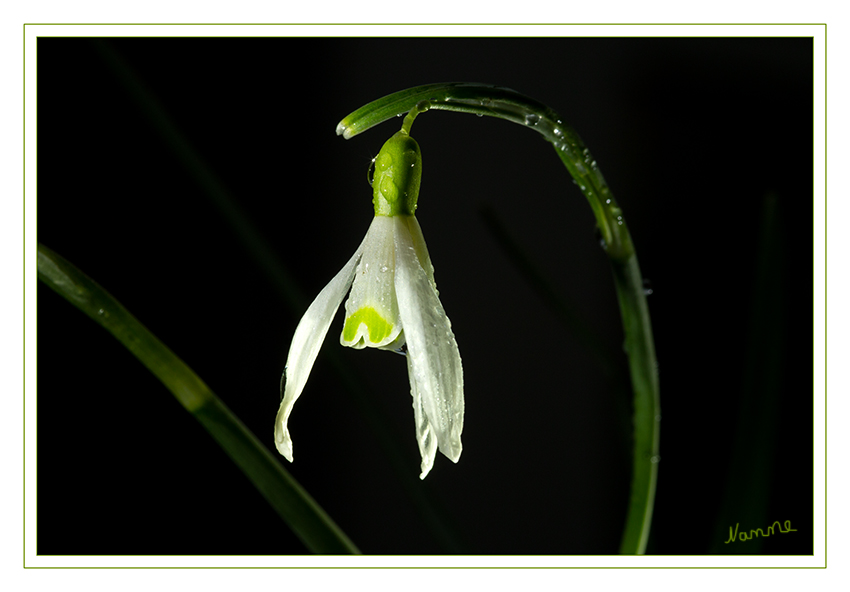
{"points": [[707, 144]]}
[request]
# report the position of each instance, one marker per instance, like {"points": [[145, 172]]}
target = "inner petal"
{"points": [[371, 311], [377, 326]]}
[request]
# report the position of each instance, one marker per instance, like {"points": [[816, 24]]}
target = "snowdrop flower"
{"points": [[393, 305]]}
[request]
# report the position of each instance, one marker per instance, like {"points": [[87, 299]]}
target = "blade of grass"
{"points": [[300, 511]]}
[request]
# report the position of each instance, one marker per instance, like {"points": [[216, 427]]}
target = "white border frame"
{"points": [[817, 32]]}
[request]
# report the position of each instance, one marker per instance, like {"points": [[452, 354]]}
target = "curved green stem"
{"points": [[505, 103], [508, 104], [306, 518]]}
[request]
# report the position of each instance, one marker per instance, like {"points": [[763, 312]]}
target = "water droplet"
{"points": [[480, 114], [558, 133], [655, 459], [608, 200], [402, 350], [370, 172], [384, 268], [647, 287], [532, 119]]}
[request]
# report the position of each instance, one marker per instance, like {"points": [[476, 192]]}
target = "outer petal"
{"points": [[421, 249], [424, 435], [371, 311], [434, 360], [306, 343]]}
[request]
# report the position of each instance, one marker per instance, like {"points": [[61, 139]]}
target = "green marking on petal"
{"points": [[379, 327]]}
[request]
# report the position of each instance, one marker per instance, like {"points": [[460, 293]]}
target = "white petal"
{"points": [[421, 249], [371, 311], [435, 367], [306, 343], [424, 434]]}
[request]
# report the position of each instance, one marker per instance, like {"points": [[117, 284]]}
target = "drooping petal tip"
{"points": [[305, 347], [282, 441], [453, 453]]}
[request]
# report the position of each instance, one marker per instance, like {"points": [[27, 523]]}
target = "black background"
{"points": [[705, 142]]}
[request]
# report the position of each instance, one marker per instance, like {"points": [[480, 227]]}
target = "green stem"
{"points": [[507, 104], [306, 518], [646, 403]]}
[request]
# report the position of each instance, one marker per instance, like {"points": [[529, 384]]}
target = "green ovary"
{"points": [[379, 327]]}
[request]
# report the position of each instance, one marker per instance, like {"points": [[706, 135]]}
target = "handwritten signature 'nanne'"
{"points": [[757, 532]]}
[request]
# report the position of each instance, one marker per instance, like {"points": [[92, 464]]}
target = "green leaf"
{"points": [[300, 511]]}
